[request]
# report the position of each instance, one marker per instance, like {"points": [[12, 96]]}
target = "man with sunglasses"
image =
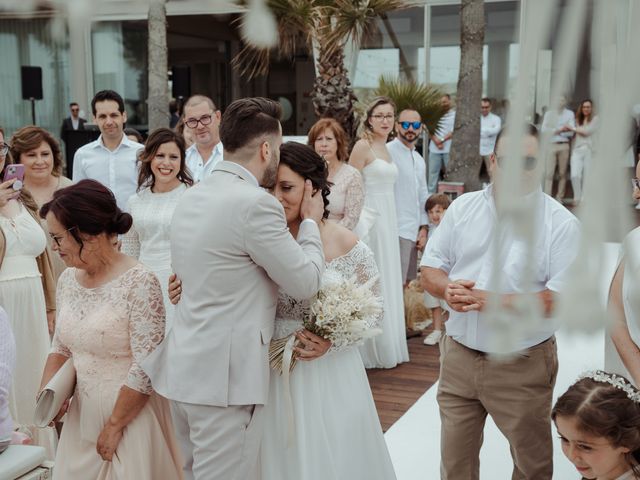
{"points": [[74, 122], [203, 119], [410, 191]]}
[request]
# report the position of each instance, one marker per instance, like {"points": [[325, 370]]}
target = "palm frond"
{"points": [[425, 99], [296, 23], [357, 19]]}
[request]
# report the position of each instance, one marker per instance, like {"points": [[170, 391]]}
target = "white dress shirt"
{"points": [[489, 129], [410, 189], [116, 170], [462, 246], [445, 126], [196, 165], [553, 121]]}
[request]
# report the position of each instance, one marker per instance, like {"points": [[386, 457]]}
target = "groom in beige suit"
{"points": [[232, 250]]}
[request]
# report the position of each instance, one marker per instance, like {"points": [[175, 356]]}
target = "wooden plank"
{"points": [[395, 390]]}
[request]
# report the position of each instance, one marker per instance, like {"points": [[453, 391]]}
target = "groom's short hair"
{"points": [[247, 119]]}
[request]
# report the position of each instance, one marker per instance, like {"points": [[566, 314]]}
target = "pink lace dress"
{"points": [[347, 197], [107, 331]]}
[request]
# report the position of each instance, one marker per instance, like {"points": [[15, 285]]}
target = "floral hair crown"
{"points": [[614, 380]]}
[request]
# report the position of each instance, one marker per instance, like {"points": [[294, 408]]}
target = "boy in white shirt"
{"points": [[436, 206]]}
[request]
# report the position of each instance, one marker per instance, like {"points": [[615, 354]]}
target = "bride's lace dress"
{"points": [[336, 430]]}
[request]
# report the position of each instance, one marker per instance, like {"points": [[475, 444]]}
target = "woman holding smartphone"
{"points": [[163, 179], [26, 293]]}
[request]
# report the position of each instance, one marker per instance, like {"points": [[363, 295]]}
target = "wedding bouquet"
{"points": [[342, 311]]}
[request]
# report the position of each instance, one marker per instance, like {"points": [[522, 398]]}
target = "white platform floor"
{"points": [[414, 440]]}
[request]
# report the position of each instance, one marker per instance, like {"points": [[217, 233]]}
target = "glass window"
{"points": [[30, 43], [120, 63], [395, 49]]}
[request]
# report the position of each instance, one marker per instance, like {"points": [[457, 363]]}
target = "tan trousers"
{"points": [[516, 393], [558, 155], [218, 443]]}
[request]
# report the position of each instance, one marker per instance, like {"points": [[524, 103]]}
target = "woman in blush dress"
{"points": [[328, 139], [163, 179], [371, 157], [110, 317], [336, 431]]}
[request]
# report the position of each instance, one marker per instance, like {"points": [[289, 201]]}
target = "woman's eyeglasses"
{"points": [[58, 238], [4, 149], [379, 117], [414, 125]]}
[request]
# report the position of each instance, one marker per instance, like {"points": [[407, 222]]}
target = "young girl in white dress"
{"points": [[598, 421], [331, 428], [162, 181], [371, 157]]}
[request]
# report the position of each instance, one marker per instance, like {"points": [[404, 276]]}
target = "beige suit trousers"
{"points": [[516, 393], [218, 443], [558, 155]]}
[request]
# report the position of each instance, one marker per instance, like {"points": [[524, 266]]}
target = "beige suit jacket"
{"points": [[231, 248]]}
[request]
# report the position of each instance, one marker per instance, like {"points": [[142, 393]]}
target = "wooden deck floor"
{"points": [[395, 390]]}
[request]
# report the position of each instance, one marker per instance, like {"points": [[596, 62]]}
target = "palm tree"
{"points": [[322, 27], [158, 101], [464, 164]]}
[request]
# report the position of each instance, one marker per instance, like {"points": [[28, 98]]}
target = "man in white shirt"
{"points": [[553, 123], [112, 159], [410, 191], [440, 144], [203, 119], [490, 125], [516, 391]]}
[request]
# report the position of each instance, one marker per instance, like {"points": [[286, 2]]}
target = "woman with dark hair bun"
{"points": [[162, 181], [337, 433], [110, 317]]}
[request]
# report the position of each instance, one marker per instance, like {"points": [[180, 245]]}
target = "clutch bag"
{"points": [[54, 394]]}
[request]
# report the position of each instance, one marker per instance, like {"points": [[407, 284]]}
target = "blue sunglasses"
{"points": [[406, 125]]}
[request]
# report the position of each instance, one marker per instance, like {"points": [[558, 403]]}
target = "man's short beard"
{"points": [[414, 139], [269, 176]]}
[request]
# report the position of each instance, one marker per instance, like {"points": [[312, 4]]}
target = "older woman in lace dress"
{"points": [[347, 192], [110, 317]]}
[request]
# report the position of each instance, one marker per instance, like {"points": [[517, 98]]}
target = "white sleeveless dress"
{"points": [[336, 432], [390, 348]]}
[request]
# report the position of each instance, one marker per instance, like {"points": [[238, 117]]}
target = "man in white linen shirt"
{"points": [[553, 123], [490, 125], [410, 191], [112, 158], [203, 119], [440, 144], [515, 391]]}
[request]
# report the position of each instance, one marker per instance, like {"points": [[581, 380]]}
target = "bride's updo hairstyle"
{"points": [[87, 207], [304, 160]]}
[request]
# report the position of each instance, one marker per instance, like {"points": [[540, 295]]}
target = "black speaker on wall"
{"points": [[31, 82], [181, 81]]}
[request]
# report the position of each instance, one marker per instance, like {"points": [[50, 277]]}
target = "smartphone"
{"points": [[15, 170]]}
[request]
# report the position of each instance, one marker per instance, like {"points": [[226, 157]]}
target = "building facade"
{"points": [[107, 48]]}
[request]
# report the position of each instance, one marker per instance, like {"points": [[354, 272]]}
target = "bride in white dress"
{"points": [[380, 231], [331, 428], [163, 179]]}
